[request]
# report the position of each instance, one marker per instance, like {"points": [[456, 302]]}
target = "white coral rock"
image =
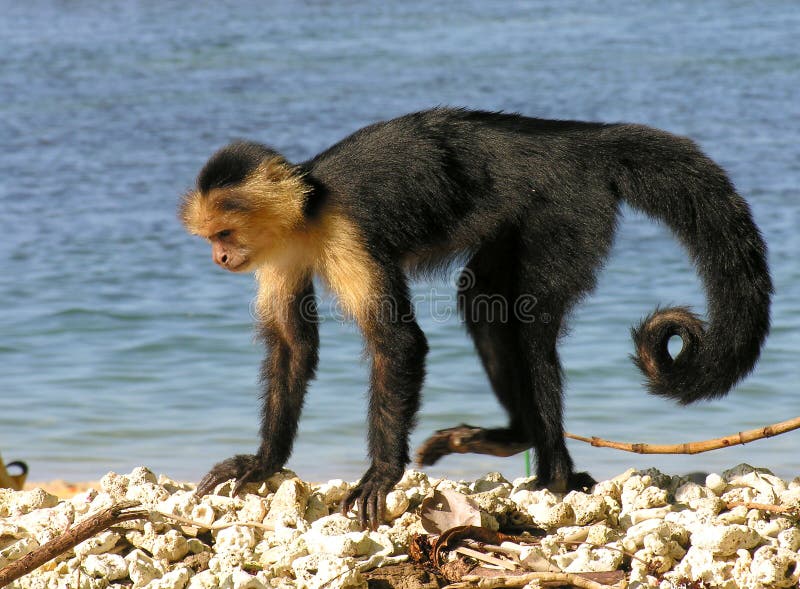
{"points": [[326, 570], [725, 540], [106, 566], [775, 567]]}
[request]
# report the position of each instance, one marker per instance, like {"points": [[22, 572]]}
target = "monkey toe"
{"points": [[369, 498], [581, 481], [575, 481], [243, 468]]}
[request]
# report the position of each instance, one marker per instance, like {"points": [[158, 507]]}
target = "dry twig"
{"points": [[477, 582], [95, 524], [92, 525], [788, 509], [698, 446]]}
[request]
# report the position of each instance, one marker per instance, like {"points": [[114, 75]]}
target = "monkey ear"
{"points": [[276, 169]]}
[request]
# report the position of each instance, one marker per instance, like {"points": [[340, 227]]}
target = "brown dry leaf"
{"points": [[450, 538], [420, 549], [448, 509]]}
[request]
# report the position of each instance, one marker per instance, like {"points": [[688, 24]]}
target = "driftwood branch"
{"points": [[98, 522], [477, 582], [695, 447], [95, 524]]}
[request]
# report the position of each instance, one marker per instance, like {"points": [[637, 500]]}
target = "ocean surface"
{"points": [[121, 344]]}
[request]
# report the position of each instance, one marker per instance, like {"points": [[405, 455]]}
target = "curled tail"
{"points": [[670, 179]]}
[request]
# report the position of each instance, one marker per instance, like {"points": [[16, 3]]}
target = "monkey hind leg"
{"points": [[518, 352]]}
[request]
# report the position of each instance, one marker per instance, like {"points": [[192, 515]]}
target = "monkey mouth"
{"points": [[240, 267]]}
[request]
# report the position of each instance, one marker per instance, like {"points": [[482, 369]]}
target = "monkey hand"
{"points": [[370, 495], [245, 468]]}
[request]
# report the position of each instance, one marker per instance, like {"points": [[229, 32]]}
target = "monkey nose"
{"points": [[221, 259]]}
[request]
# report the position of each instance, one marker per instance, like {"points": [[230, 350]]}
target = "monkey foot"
{"points": [[465, 439], [576, 481], [370, 497], [245, 468]]}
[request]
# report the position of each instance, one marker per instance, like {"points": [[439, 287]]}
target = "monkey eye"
{"points": [[223, 234]]}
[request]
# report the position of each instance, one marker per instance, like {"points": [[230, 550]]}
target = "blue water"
{"points": [[121, 344]]}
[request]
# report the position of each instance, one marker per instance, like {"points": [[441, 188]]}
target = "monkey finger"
{"points": [[242, 480], [362, 510], [349, 501], [207, 484], [375, 508], [239, 467]]}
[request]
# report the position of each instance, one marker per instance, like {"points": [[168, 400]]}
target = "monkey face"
{"points": [[241, 239], [248, 204]]}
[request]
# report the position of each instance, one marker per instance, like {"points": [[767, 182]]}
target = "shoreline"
{"points": [[726, 531]]}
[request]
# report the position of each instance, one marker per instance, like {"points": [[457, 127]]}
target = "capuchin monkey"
{"points": [[532, 205]]}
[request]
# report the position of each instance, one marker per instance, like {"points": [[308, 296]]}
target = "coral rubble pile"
{"points": [[738, 529]]}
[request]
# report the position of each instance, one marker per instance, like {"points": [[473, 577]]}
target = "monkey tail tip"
{"points": [[686, 377]]}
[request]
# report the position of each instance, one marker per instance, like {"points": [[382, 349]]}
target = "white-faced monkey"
{"points": [[532, 205]]}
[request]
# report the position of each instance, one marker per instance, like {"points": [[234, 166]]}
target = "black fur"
{"points": [[230, 166], [532, 205]]}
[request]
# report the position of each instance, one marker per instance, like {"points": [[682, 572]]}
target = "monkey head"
{"points": [[248, 202]]}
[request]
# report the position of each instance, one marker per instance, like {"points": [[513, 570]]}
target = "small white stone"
{"points": [[204, 580], [791, 496], [242, 580], [335, 525], [148, 494], [171, 546], [203, 514], [235, 539], [789, 539], [767, 486], [690, 491], [635, 498], [106, 566], [82, 501], [707, 505], [315, 508], [102, 542], [22, 502], [325, 570], [725, 540], [775, 567], [180, 503], [414, 479], [115, 485], [600, 534], [289, 501], [17, 550], [588, 508], [716, 484], [523, 484], [142, 569], [612, 489], [552, 517], [227, 562], [396, 504], [332, 492], [639, 515], [492, 482], [175, 579], [141, 475], [46, 523], [662, 529], [254, 509]]}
